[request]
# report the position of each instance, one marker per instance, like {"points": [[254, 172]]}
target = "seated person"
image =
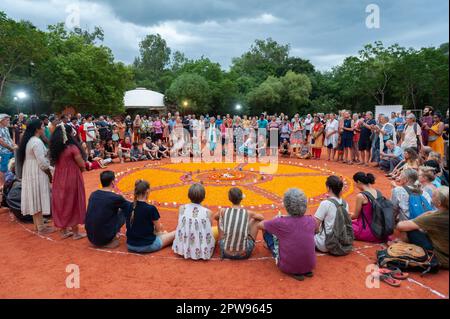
{"points": [[125, 149], [284, 149], [110, 150], [401, 196], [392, 157], [327, 211], [305, 150], [261, 145], [89, 162], [194, 237], [430, 230], [150, 149], [363, 214], [145, 233], [163, 150], [98, 154], [248, 148], [104, 217], [411, 160], [291, 238], [136, 153], [237, 228]]}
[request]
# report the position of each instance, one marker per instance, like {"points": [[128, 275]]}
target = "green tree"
{"points": [[192, 89]]}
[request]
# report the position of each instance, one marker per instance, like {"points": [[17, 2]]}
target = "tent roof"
{"points": [[143, 98]]}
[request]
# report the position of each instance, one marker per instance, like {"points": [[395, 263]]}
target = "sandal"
{"points": [[387, 278], [79, 236], [66, 234], [395, 273]]}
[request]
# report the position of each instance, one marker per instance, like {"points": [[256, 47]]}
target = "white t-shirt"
{"points": [[90, 128], [326, 212], [308, 122], [410, 139]]}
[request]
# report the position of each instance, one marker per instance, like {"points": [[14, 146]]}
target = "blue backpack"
{"points": [[417, 203]]}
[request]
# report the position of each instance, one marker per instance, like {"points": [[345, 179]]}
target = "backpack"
{"points": [[340, 241], [408, 257], [417, 203], [383, 221]]}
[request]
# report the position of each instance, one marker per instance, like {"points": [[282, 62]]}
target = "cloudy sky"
{"points": [[323, 31]]}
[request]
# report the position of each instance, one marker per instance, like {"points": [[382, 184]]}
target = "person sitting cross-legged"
{"points": [[237, 228], [145, 233], [430, 230], [291, 238], [104, 217]]}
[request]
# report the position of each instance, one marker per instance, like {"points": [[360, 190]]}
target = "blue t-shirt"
{"points": [[141, 232], [400, 124], [102, 216], [262, 123]]}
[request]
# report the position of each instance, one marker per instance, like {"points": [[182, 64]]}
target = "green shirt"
{"points": [[435, 225]]}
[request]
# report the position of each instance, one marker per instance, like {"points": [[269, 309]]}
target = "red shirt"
{"points": [[82, 133], [125, 145]]}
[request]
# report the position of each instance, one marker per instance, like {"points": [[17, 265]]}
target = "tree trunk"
{"points": [[2, 85]]}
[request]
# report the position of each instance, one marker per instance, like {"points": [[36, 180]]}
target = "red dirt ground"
{"points": [[35, 267]]}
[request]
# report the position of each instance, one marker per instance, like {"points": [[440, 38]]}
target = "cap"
{"points": [[4, 116]]}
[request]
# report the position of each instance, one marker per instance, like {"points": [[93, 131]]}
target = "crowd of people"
{"points": [[45, 157]]}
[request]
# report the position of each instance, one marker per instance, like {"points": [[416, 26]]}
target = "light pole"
{"points": [[20, 96]]}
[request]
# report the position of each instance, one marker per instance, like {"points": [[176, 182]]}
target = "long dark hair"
{"points": [[57, 145], [32, 127]]}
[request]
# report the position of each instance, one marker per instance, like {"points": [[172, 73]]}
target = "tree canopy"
{"points": [[61, 67]]}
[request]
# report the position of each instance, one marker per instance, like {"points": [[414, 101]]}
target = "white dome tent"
{"points": [[142, 98]]}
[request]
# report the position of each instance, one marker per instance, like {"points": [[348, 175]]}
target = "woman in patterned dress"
{"points": [[194, 238], [296, 135]]}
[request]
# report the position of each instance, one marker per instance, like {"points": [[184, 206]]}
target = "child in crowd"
{"points": [[145, 233], [136, 153], [110, 149], [284, 149], [340, 150], [305, 150], [163, 150], [125, 149]]}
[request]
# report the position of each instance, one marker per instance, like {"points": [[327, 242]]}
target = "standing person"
{"points": [[285, 131], [137, 123], [331, 136], [36, 176], [91, 132], [194, 237], [7, 146], [347, 137], [412, 134], [435, 139], [296, 134], [387, 133], [365, 144], [317, 138], [81, 131], [426, 123], [19, 127], [356, 134], [68, 195], [309, 122]]}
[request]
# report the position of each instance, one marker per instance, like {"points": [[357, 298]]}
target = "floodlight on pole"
{"points": [[21, 95], [238, 107], [185, 103]]}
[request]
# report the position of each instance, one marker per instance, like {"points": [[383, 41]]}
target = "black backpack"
{"points": [[383, 221]]}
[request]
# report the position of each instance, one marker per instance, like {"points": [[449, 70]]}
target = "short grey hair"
{"points": [[390, 142], [411, 175], [197, 193], [442, 194], [295, 202]]}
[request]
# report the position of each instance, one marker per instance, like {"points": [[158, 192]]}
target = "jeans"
{"points": [[248, 250], [389, 164], [272, 243], [155, 246]]}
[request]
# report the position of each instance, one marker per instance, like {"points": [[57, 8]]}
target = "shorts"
{"points": [[155, 246], [5, 158], [364, 144], [347, 142], [248, 250]]}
